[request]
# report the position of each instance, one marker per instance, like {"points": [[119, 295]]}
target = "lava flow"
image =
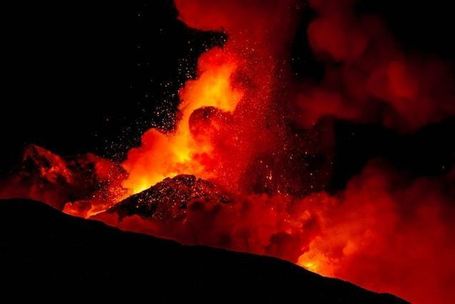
{"points": [[248, 162]]}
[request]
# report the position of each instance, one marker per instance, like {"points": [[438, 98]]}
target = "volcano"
{"points": [[316, 132]]}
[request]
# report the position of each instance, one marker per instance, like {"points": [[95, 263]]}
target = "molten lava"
{"points": [[250, 156], [183, 151]]}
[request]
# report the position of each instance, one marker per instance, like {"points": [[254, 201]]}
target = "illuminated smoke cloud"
{"points": [[368, 78]]}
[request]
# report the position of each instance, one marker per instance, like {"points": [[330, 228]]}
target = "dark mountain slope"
{"points": [[51, 256]]}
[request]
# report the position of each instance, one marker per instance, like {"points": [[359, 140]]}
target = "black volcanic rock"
{"points": [[54, 257], [171, 198]]}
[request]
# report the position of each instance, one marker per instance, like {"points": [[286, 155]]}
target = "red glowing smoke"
{"points": [[368, 78], [387, 233]]}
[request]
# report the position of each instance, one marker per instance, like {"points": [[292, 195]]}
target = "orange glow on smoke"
{"points": [[164, 155], [386, 238]]}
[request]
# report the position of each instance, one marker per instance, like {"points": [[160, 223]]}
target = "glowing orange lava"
{"points": [[164, 155]]}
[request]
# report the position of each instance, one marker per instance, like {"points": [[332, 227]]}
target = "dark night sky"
{"points": [[93, 75]]}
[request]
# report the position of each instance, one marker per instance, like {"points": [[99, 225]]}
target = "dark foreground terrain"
{"points": [[47, 255]]}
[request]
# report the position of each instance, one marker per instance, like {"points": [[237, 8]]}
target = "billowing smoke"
{"points": [[387, 232], [367, 77]]}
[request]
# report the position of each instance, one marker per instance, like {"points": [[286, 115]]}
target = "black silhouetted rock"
{"points": [[51, 256]]}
